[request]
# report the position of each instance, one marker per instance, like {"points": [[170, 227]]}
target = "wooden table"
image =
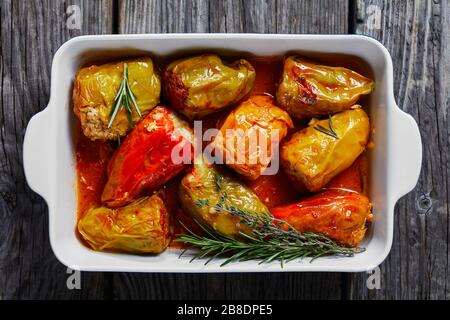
{"points": [[416, 33]]}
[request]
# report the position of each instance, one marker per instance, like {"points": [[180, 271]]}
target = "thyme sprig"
{"points": [[329, 132], [271, 239], [124, 99]]}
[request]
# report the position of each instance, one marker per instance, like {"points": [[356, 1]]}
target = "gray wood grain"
{"points": [[417, 36], [259, 16], [31, 32], [415, 32], [231, 16]]}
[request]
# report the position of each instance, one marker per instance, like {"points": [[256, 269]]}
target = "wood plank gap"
{"points": [[115, 16], [352, 16]]}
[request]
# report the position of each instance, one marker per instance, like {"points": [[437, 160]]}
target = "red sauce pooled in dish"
{"points": [[92, 160]]}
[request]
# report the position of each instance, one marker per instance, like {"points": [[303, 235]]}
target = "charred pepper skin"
{"points": [[201, 85], [308, 89], [143, 161], [338, 214]]}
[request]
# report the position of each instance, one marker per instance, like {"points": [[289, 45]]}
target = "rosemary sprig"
{"points": [[271, 239], [329, 132], [124, 99]]}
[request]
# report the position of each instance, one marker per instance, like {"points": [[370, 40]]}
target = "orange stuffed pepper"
{"points": [[249, 135]]}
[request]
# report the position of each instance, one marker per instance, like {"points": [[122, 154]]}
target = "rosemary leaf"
{"points": [[128, 109], [133, 100], [329, 132], [118, 138], [115, 108], [121, 88], [124, 98]]}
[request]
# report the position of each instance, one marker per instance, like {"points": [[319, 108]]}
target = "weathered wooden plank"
{"points": [[285, 286], [31, 32], [321, 16], [231, 16], [417, 36], [416, 33], [260, 16], [163, 16]]}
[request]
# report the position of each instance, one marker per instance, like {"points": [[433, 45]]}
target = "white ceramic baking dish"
{"points": [[49, 159]]}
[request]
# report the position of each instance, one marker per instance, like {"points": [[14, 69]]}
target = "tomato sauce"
{"points": [[268, 72], [274, 190], [92, 160], [353, 178]]}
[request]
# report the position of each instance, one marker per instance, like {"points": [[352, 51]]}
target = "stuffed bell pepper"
{"points": [[98, 88], [200, 85], [309, 90], [155, 151]]}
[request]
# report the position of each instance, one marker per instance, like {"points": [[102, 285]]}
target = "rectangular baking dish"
{"points": [[49, 159]]}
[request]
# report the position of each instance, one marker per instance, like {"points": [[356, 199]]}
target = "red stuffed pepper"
{"points": [[144, 161], [340, 215]]}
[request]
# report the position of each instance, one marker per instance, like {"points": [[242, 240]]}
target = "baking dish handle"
{"points": [[36, 153], [407, 150]]}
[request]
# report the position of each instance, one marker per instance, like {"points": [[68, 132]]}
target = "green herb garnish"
{"points": [[124, 99], [330, 132], [271, 239], [118, 138]]}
